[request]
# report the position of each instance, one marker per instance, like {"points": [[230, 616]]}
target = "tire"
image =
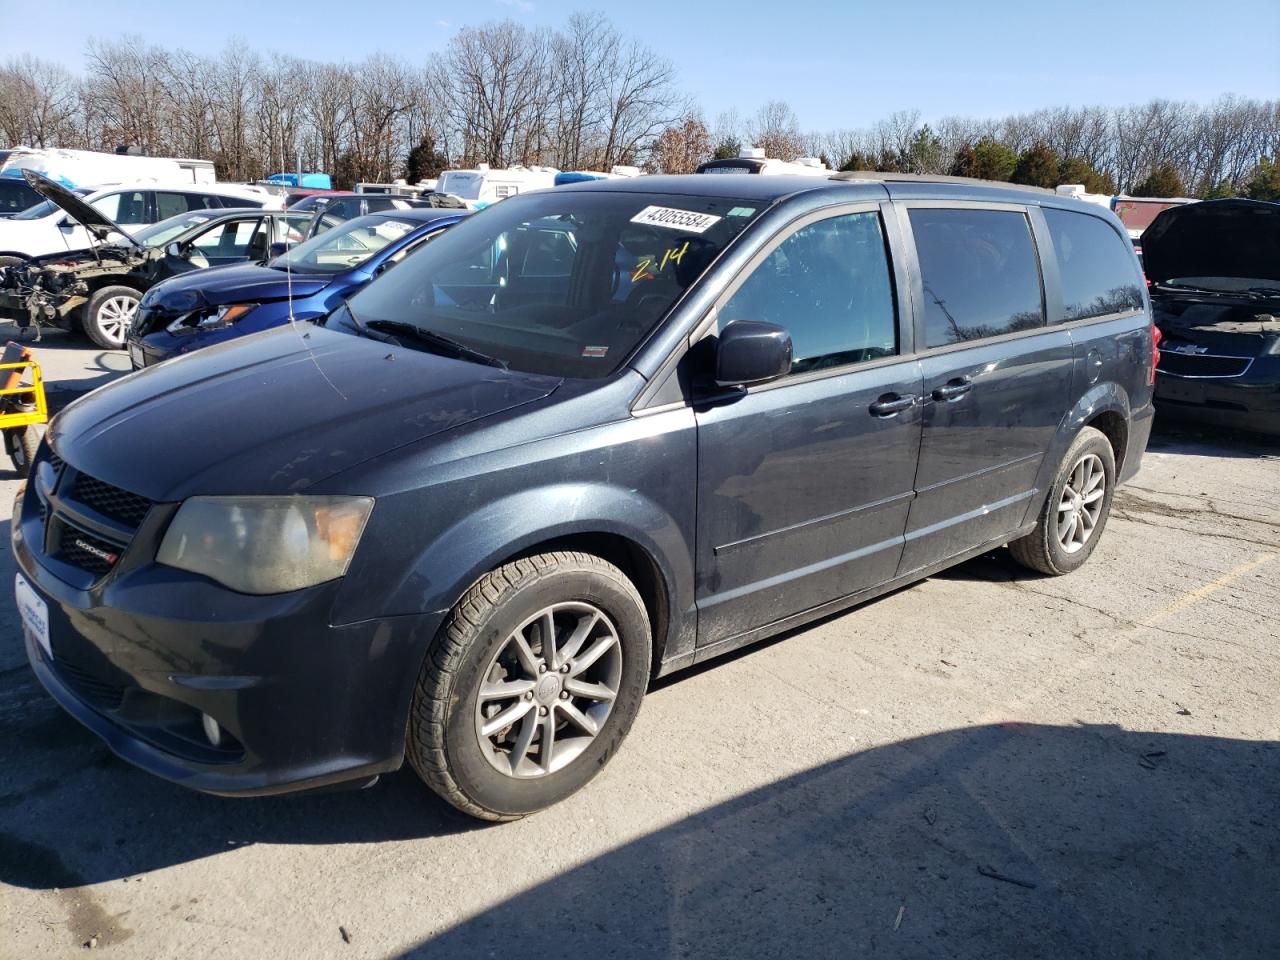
{"points": [[491, 777], [1051, 548], [21, 444], [109, 314]]}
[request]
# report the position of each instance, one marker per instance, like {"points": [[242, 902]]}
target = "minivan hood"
{"points": [[239, 283], [1214, 238], [275, 413], [97, 224]]}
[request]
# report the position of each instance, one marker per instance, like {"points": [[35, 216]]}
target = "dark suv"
{"points": [[587, 437]]}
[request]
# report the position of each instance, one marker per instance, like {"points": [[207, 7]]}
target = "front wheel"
{"points": [[531, 686], [1076, 510], [21, 444], [109, 315]]}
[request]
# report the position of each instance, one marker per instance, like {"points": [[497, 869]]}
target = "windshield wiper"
{"points": [[441, 343], [1266, 291]]}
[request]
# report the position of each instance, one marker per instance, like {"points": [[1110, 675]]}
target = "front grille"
{"points": [[121, 505], [86, 551], [1205, 365], [89, 686]]}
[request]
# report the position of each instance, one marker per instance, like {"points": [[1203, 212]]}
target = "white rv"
{"points": [[753, 160], [482, 186]]}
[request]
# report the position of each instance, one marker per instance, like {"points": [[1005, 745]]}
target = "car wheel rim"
{"points": [[115, 317], [548, 690], [1080, 507]]}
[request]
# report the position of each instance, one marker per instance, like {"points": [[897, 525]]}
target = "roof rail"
{"points": [[882, 177]]}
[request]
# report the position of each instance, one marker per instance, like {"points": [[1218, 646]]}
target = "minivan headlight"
{"points": [[266, 545]]}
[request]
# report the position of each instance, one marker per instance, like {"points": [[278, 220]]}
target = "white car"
{"points": [[46, 228]]}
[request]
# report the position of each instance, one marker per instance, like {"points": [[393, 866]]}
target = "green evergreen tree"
{"points": [[1077, 170], [924, 155], [995, 161], [1163, 181], [726, 149], [965, 162], [1038, 166], [1264, 184], [857, 161]]}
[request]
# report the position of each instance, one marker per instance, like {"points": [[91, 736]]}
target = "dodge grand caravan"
{"points": [[585, 438]]}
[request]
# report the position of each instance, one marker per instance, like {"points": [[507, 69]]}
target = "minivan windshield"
{"points": [[560, 282], [345, 246]]}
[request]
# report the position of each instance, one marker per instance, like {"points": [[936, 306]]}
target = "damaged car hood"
{"points": [[93, 221], [1215, 238]]}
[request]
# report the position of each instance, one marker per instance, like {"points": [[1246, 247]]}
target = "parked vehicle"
{"points": [[582, 176], [1138, 213], [1215, 291], [753, 160], [332, 209], [399, 188], [482, 186], [86, 168], [194, 311], [47, 228], [466, 519], [97, 290]]}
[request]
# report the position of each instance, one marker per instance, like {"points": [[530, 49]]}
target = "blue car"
{"points": [[190, 312]]}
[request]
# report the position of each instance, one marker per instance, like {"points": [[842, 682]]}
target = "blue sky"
{"points": [[838, 64]]}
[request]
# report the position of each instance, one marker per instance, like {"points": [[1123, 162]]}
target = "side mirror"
{"points": [[278, 249], [173, 250], [752, 351]]}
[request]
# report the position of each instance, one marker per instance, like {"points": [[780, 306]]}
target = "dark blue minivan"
{"points": [[586, 437]]}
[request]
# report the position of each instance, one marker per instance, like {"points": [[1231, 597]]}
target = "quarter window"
{"points": [[829, 286], [980, 274], [1095, 264]]}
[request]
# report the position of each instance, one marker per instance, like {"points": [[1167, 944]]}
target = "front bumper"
{"points": [[1250, 402], [139, 656]]}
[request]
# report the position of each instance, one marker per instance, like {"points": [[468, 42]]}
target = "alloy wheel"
{"points": [[548, 690], [115, 317], [1081, 505]]}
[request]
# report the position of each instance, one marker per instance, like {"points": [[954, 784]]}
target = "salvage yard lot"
{"points": [[988, 763]]}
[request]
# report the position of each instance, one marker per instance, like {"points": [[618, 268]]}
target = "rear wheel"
{"points": [[531, 686], [1076, 510], [109, 314]]}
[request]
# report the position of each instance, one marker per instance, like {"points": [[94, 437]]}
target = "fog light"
{"points": [[211, 729]]}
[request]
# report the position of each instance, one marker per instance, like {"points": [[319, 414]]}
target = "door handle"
{"points": [[891, 404], [953, 389]]}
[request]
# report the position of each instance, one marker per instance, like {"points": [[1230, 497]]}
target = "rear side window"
{"points": [[1095, 265], [171, 204], [828, 285], [129, 208], [980, 274]]}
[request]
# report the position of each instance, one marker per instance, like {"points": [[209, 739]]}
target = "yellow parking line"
{"points": [[1209, 588], [1007, 710]]}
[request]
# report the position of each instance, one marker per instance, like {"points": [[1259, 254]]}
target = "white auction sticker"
{"points": [[686, 221]]}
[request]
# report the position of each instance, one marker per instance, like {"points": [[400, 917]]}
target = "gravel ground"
{"points": [[985, 764]]}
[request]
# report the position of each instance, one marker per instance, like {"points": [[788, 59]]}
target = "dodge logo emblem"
{"points": [[98, 552]]}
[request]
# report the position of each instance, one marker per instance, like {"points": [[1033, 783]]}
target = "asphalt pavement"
{"points": [[986, 764]]}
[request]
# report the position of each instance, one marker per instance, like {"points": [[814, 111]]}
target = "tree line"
{"points": [[585, 96]]}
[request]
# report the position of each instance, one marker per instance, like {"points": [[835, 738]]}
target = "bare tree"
{"points": [[775, 130]]}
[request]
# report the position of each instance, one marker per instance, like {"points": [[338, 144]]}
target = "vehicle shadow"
{"points": [[993, 841]]}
